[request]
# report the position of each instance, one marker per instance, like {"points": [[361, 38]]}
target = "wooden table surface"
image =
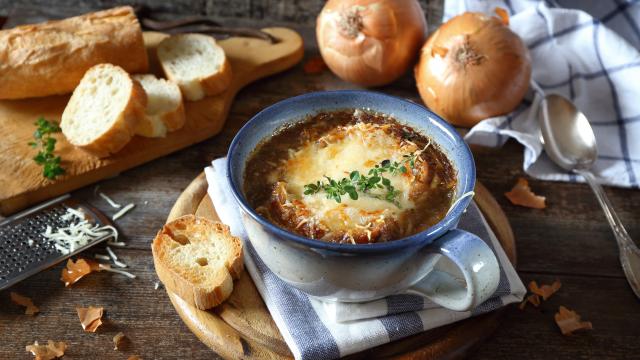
{"points": [[570, 240]]}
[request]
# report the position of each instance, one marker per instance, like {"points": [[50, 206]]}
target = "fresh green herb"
{"points": [[47, 143], [357, 182]]}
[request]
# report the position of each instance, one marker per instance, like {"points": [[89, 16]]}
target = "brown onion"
{"points": [[370, 42], [472, 68]]}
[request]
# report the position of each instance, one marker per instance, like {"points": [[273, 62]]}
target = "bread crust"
{"points": [[204, 86], [123, 128], [51, 58], [218, 82], [170, 121], [201, 297], [174, 120]]}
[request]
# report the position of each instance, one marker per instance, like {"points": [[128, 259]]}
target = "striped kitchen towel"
{"points": [[315, 330], [591, 57]]}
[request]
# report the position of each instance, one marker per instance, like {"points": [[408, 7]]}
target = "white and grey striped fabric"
{"points": [[315, 330], [588, 55]]}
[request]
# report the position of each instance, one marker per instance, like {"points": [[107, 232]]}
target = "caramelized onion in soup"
{"points": [[351, 177]]}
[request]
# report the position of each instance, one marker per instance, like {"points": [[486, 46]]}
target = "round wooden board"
{"points": [[241, 327]]}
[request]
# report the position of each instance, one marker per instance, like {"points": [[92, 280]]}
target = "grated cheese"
{"points": [[104, 267], [78, 233], [119, 264], [114, 258], [116, 243], [110, 201], [111, 254], [123, 211], [102, 257]]}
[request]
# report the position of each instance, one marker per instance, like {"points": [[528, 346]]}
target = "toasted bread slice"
{"points": [[165, 110], [104, 110], [196, 63], [197, 259]]}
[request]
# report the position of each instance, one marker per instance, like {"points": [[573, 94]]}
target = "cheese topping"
{"points": [[78, 233], [342, 150]]}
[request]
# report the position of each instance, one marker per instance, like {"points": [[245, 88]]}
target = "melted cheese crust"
{"points": [[342, 150]]}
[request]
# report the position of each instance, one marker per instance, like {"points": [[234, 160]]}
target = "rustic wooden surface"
{"points": [[250, 59], [242, 326], [570, 241]]}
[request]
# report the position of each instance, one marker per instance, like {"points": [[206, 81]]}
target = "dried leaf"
{"points": [[533, 299], [118, 340], [314, 65], [90, 318], [569, 321], [30, 308], [545, 290], [503, 15], [77, 270], [52, 350], [134, 357], [439, 50], [522, 195]]}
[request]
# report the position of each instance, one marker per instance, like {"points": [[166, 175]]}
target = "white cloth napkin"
{"points": [[588, 56], [317, 330]]}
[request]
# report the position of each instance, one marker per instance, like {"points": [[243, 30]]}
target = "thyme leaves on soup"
{"points": [[362, 183]]}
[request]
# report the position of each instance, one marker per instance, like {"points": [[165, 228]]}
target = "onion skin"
{"points": [[370, 42], [472, 68]]}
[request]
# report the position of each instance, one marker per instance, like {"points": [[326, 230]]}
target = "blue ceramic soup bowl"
{"points": [[452, 267]]}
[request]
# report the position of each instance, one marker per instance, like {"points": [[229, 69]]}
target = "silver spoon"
{"points": [[569, 141]]}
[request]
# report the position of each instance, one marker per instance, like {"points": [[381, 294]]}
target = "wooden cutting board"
{"points": [[242, 328], [22, 183]]}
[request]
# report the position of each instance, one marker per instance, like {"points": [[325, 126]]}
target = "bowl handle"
{"points": [[472, 259]]}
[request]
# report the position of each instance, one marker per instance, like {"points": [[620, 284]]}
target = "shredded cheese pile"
{"points": [[78, 233]]}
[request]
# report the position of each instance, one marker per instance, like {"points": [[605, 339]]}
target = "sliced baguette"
{"points": [[197, 259], [196, 63], [104, 110], [165, 110]]}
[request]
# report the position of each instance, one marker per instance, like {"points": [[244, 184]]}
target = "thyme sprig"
{"points": [[374, 179], [45, 157]]}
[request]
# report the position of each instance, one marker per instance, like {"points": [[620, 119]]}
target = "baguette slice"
{"points": [[197, 259], [196, 63], [104, 110], [165, 110]]}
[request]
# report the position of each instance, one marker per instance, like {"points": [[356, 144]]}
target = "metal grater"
{"points": [[20, 257]]}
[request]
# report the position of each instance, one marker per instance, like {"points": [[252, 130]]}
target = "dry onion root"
{"points": [[370, 42], [472, 68]]}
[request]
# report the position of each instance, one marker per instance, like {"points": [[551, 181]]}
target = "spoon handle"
{"points": [[629, 252]]}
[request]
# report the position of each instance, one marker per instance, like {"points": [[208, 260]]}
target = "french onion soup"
{"points": [[350, 176]]}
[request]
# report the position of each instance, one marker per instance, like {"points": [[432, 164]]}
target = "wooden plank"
{"points": [[548, 247], [532, 334], [153, 328], [301, 12], [156, 331], [250, 59]]}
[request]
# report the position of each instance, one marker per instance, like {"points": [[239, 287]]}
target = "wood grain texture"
{"points": [[569, 240], [241, 327], [251, 59], [301, 12]]}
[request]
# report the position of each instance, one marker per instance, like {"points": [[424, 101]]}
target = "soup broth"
{"points": [[350, 176]]}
